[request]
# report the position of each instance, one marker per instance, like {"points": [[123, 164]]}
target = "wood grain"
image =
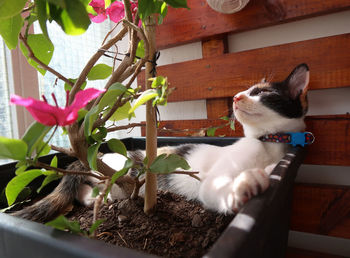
{"points": [[225, 75], [316, 209], [331, 147], [201, 22], [217, 46]]}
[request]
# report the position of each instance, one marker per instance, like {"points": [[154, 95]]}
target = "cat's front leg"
{"points": [[226, 193]]}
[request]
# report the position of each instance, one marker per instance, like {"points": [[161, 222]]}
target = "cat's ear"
{"points": [[298, 81]]}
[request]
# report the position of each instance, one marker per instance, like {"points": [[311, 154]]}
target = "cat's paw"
{"points": [[248, 184]]}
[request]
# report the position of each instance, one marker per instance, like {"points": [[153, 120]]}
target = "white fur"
{"points": [[231, 175]]}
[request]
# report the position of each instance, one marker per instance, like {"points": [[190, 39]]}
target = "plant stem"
{"points": [[151, 126], [44, 66]]}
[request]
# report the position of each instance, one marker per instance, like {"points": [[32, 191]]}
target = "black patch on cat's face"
{"points": [[285, 97]]}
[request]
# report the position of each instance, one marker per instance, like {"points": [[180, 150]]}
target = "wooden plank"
{"points": [[299, 253], [321, 209], [225, 75], [217, 46], [200, 22], [331, 147]]}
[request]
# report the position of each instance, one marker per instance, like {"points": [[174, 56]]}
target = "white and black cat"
{"points": [[230, 175]]}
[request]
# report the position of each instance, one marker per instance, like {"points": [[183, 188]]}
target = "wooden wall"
{"points": [[318, 209]]}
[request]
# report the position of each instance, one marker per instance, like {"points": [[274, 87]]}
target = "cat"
{"points": [[230, 175]]}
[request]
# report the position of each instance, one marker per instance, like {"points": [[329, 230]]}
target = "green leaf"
{"points": [[89, 120], [109, 97], [17, 184], [99, 134], [145, 96], [42, 149], [41, 7], [117, 146], [140, 51], [42, 49], [146, 8], [165, 164], [21, 170], [54, 162], [34, 136], [95, 192], [158, 81], [69, 87], [95, 226], [74, 20], [163, 12], [211, 131], [232, 124], [62, 223], [12, 149], [48, 179], [127, 165], [226, 118], [177, 3], [122, 113], [100, 72], [92, 155], [9, 8], [9, 30]]}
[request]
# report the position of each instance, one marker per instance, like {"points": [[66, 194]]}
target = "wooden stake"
{"points": [[151, 129]]}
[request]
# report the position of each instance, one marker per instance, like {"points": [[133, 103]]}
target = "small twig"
{"points": [[105, 233], [122, 238], [72, 172], [66, 151], [123, 127], [42, 65], [98, 202], [145, 245], [189, 173], [138, 184]]}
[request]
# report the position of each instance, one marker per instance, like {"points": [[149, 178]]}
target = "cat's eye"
{"points": [[257, 91]]}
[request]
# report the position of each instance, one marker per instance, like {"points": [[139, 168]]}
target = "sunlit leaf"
{"points": [[145, 96], [34, 136], [122, 113], [100, 72], [9, 8], [17, 184], [211, 131], [9, 30], [117, 146], [62, 223], [48, 179], [165, 164], [42, 49], [92, 155], [12, 149]]}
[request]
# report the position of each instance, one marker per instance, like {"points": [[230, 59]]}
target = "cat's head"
{"points": [[272, 107]]}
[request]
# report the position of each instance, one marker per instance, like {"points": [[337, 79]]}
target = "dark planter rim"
{"points": [[244, 237]]}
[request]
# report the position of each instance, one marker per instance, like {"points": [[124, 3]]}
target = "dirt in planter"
{"points": [[178, 228]]}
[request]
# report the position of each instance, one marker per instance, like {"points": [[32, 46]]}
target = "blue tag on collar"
{"points": [[301, 138]]}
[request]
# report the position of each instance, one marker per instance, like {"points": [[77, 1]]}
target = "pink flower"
{"points": [[99, 7], [53, 115], [115, 11]]}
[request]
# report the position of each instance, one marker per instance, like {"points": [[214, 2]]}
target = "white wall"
{"points": [[322, 102]]}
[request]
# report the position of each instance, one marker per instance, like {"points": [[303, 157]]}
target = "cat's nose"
{"points": [[237, 98]]}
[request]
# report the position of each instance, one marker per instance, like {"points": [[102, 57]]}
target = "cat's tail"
{"points": [[56, 203]]}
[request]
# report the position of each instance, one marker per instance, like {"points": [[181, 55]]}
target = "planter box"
{"points": [[260, 229]]}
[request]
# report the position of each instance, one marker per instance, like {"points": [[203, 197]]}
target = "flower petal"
{"points": [[41, 111], [98, 18], [97, 3], [116, 11], [83, 97]]}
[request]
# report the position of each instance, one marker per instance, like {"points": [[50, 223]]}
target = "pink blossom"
{"points": [[99, 7], [53, 115], [115, 11]]}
